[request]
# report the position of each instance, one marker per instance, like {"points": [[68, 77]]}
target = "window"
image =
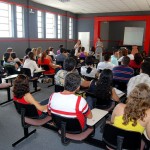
{"points": [[59, 27], [70, 28], [40, 24], [20, 25], [50, 26], [5, 20]]}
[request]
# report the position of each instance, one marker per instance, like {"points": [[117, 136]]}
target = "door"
{"points": [[85, 40]]}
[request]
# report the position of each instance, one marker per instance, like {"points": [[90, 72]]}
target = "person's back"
{"points": [[135, 114], [61, 57], [78, 107], [143, 77], [123, 72]]}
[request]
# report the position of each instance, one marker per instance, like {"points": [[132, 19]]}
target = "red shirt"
{"points": [[133, 64], [23, 101], [46, 62]]}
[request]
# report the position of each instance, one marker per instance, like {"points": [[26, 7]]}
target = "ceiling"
{"points": [[98, 6]]}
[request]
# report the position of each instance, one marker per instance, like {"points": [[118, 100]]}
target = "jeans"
{"points": [[91, 101]]}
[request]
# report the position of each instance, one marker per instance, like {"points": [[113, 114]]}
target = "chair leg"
{"points": [[35, 87], [26, 134], [8, 97], [64, 140]]}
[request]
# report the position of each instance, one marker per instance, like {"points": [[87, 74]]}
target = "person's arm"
{"points": [[148, 129], [30, 99], [114, 95], [114, 113], [35, 66], [89, 114]]}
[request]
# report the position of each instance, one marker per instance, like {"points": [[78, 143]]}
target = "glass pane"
{"points": [[39, 19], [58, 31], [19, 22], [4, 20], [20, 34], [39, 29], [39, 35], [19, 15], [4, 27], [19, 28], [39, 13], [4, 13], [4, 6], [19, 9], [58, 17], [39, 24], [59, 36], [4, 34]]}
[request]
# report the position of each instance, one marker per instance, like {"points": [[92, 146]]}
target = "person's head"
{"points": [[34, 51], [92, 49], [44, 54], [79, 41], [79, 49], [31, 55], [145, 67], [72, 53], [125, 61], [47, 51], [104, 84], [82, 49], [69, 64], [39, 50], [89, 60], [21, 86], [106, 57], [51, 48], [137, 104], [124, 52], [138, 58], [98, 38], [60, 46], [72, 82], [116, 52], [27, 51], [9, 50]]}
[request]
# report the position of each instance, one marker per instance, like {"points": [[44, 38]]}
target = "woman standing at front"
{"points": [[77, 46], [99, 49]]}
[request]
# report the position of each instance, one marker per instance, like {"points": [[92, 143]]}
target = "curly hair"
{"points": [[21, 86], [104, 85], [137, 104]]}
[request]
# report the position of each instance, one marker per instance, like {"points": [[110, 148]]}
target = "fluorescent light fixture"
{"points": [[63, 1]]}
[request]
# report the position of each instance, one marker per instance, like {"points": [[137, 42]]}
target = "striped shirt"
{"points": [[66, 105], [122, 73]]}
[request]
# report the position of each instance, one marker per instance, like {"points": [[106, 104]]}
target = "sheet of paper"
{"points": [[119, 93], [98, 114]]}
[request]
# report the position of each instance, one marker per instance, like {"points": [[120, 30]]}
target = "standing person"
{"points": [[77, 45], [99, 49]]}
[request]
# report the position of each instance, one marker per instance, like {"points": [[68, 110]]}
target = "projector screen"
{"points": [[133, 36]]}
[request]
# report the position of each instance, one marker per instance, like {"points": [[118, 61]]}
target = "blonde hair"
{"points": [[137, 104]]}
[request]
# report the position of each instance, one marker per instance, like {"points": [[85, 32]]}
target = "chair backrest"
{"points": [[59, 88], [72, 125], [30, 110], [10, 70], [45, 67], [118, 138], [26, 71], [60, 63]]}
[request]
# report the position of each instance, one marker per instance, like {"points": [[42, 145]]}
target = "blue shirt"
{"points": [[114, 60], [122, 73]]}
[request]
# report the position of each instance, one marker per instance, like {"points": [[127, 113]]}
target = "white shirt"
{"points": [[66, 103], [31, 64], [91, 74], [141, 78], [131, 56], [105, 65]]}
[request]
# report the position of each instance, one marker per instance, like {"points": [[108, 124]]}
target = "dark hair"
{"points": [[60, 46], [126, 60], [92, 49], [72, 52], [72, 82], [47, 51], [104, 85], [138, 58], [51, 49], [106, 57], [147, 59], [28, 50], [69, 64], [89, 60], [82, 49], [115, 50], [62, 50], [146, 67], [31, 55], [21, 86], [124, 52], [13, 55]]}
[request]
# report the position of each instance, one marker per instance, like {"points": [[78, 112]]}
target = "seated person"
{"points": [[69, 66], [31, 64], [88, 70], [22, 94], [135, 114], [44, 60], [26, 52], [68, 98], [103, 91], [72, 54], [123, 73], [106, 64], [83, 54], [62, 56]]}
